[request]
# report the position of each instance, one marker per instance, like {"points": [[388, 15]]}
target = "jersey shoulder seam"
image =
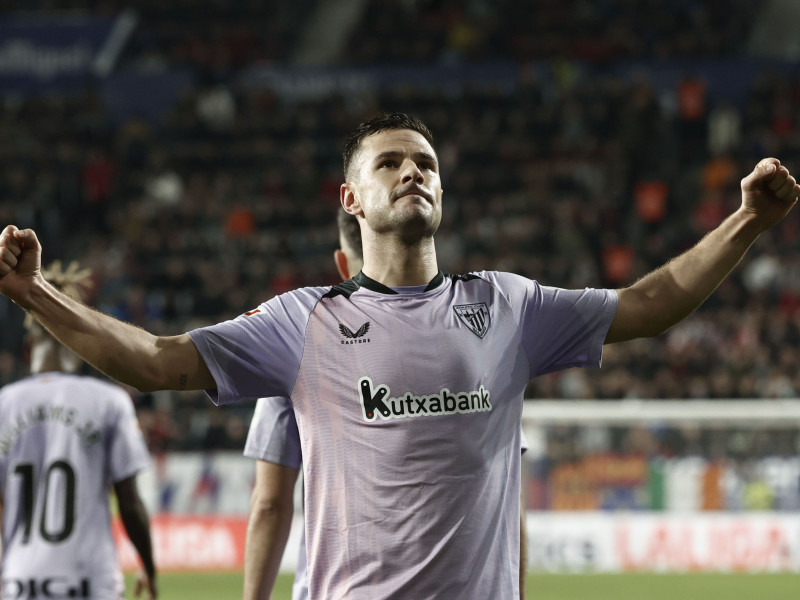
{"points": [[305, 339]]}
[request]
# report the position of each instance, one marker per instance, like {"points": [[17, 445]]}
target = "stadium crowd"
{"points": [[575, 174]]}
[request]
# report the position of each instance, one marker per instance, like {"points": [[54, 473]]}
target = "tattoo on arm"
{"points": [[183, 379]]}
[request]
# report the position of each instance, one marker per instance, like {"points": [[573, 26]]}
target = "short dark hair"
{"points": [[350, 231], [383, 122]]}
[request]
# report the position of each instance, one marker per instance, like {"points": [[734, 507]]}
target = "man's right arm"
{"points": [[120, 350], [268, 526], [672, 292]]}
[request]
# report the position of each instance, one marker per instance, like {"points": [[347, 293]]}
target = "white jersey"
{"points": [[408, 404], [64, 439]]}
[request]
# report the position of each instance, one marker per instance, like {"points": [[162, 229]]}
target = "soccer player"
{"points": [[65, 439], [406, 383], [274, 441]]}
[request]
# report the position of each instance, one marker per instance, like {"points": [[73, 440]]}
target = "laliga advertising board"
{"points": [[199, 504], [713, 542], [199, 543], [189, 543], [557, 542]]}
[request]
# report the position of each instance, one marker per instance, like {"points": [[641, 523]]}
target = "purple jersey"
{"points": [[64, 439], [273, 433], [273, 438], [408, 404]]}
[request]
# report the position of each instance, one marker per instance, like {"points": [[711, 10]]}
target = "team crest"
{"points": [[474, 316]]}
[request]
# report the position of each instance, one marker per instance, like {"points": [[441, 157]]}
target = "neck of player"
{"points": [[393, 263], [48, 355]]}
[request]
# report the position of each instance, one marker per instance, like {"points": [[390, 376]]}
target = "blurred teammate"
{"points": [[64, 440], [274, 441], [407, 383]]}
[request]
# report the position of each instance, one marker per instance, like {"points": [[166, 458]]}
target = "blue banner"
{"points": [[726, 79], [51, 52], [299, 83]]}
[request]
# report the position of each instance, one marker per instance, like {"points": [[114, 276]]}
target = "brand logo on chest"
{"points": [[354, 338], [376, 400]]}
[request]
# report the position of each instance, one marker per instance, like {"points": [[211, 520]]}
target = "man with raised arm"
{"points": [[274, 441], [407, 384], [65, 441]]}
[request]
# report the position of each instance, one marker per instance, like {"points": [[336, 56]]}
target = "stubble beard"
{"points": [[416, 229], [410, 225]]}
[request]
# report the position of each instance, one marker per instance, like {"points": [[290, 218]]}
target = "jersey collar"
{"points": [[375, 286]]}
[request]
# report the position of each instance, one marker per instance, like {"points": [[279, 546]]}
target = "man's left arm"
{"points": [[669, 294]]}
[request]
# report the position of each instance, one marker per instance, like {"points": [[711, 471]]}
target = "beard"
{"points": [[419, 226], [410, 223]]}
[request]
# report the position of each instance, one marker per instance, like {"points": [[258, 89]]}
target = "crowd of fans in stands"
{"points": [[585, 179]]}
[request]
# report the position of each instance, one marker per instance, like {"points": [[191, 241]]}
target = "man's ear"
{"points": [[340, 258], [350, 203]]}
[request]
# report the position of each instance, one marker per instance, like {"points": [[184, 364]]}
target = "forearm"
{"points": [[120, 350], [267, 533], [669, 294], [137, 525]]}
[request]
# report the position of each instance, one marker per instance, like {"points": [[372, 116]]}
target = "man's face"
{"points": [[395, 184]]}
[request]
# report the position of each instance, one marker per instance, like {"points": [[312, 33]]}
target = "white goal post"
{"points": [[740, 413]]}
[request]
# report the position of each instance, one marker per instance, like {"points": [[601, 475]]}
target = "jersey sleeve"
{"points": [[258, 354], [560, 328], [273, 434], [127, 450]]}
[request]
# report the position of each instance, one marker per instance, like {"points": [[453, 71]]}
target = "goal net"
{"points": [[663, 485]]}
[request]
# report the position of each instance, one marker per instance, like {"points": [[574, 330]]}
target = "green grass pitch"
{"points": [[779, 586]]}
